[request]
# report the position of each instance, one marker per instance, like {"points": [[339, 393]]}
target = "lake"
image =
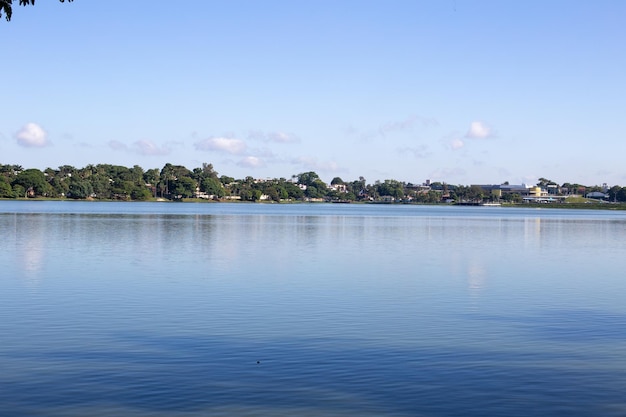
{"points": [[182, 309]]}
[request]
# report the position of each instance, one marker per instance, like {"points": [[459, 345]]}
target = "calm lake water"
{"points": [[157, 309]]}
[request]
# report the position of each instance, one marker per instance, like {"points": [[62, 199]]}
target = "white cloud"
{"points": [[220, 144], [456, 144], [32, 135], [479, 130], [251, 162], [142, 147], [149, 148], [277, 137], [452, 141], [116, 145], [282, 137]]}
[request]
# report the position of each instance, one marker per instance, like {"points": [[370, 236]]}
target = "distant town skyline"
{"points": [[470, 92]]}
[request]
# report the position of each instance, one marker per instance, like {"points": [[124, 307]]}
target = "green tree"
{"points": [[10, 171], [274, 193], [136, 174], [140, 194], [7, 8], [459, 193], [313, 192], [212, 186], [121, 190], [5, 188], [102, 182], [512, 198], [613, 191], [67, 171], [226, 180], [184, 187], [208, 171], [151, 176], [245, 195], [79, 189], [292, 190], [315, 187], [358, 188], [170, 174], [33, 181], [255, 195], [391, 188], [307, 178], [543, 182], [18, 191], [476, 193]]}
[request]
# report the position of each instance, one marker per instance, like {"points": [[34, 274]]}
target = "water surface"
{"points": [[166, 309]]}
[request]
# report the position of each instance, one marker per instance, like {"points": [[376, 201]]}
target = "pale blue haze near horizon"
{"points": [[456, 91]]}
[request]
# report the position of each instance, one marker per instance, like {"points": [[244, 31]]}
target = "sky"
{"points": [[456, 91]]}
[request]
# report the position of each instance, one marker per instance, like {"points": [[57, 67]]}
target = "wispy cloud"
{"points": [[32, 135], [456, 143], [420, 151], [276, 137], [142, 147], [222, 144], [116, 145], [394, 126], [149, 148], [251, 162], [282, 137], [452, 141], [408, 123], [479, 130]]}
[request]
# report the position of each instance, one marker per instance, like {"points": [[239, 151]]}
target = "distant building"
{"points": [[597, 195], [340, 188], [552, 189], [527, 192], [498, 190]]}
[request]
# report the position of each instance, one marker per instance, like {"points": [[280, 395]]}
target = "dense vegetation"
{"points": [[176, 182]]}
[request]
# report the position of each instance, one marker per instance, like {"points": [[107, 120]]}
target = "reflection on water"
{"points": [[220, 309], [532, 231], [32, 253], [476, 280]]}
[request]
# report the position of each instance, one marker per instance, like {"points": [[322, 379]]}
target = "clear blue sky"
{"points": [[449, 90]]}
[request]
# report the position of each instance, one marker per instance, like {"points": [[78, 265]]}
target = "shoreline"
{"points": [[569, 206]]}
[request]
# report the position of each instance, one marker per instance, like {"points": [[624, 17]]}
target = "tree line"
{"points": [[176, 182]]}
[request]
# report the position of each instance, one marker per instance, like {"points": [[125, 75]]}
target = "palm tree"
{"points": [[7, 8]]}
